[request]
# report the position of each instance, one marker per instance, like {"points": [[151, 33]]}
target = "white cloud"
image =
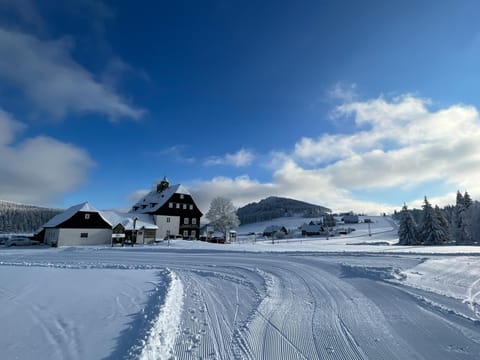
{"points": [[400, 144], [343, 91], [241, 158], [241, 190], [48, 75], [39, 169]]}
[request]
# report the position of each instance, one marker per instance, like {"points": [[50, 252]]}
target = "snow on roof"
{"points": [[127, 219], [67, 214], [272, 228], [154, 200], [113, 218]]}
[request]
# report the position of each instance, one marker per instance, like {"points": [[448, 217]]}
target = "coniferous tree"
{"points": [[430, 229], [443, 226], [407, 231], [467, 200], [459, 232], [472, 221]]}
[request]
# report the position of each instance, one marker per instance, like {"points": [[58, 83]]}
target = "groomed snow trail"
{"points": [[225, 305], [161, 337]]}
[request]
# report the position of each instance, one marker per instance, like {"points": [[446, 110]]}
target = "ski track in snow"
{"points": [[161, 337], [225, 305]]}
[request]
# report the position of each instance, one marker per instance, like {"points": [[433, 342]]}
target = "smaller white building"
{"points": [[83, 224]]}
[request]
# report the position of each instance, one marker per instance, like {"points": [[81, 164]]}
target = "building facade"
{"points": [[174, 210]]}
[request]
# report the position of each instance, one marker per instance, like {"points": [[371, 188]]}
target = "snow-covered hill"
{"points": [[274, 207]]}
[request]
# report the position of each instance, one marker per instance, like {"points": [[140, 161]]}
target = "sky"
{"points": [[351, 105]]}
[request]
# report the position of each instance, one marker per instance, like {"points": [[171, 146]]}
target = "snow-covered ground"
{"points": [[348, 297]]}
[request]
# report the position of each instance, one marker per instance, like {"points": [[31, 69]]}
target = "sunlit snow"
{"points": [[349, 297]]}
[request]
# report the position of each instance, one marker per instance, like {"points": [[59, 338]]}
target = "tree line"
{"points": [[458, 224], [20, 218]]}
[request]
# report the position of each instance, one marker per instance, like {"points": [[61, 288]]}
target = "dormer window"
{"points": [[144, 206], [135, 208], [152, 204]]}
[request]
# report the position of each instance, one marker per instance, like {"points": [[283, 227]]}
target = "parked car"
{"points": [[217, 239], [20, 241], [3, 239]]}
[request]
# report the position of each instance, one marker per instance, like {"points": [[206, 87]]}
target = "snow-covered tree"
{"points": [[431, 231], [459, 227], [222, 215], [407, 231], [443, 226], [472, 222], [467, 200]]}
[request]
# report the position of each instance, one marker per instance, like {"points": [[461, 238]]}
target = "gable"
{"points": [[85, 220]]}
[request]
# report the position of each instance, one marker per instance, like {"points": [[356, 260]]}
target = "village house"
{"points": [[173, 209], [273, 230], [166, 212]]}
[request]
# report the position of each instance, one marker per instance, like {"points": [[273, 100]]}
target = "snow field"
{"points": [[315, 299], [456, 277], [54, 313]]}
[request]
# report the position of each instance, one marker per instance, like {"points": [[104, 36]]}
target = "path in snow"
{"points": [[280, 306]]}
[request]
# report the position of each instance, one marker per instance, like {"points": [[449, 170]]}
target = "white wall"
{"points": [[173, 227], [69, 237]]}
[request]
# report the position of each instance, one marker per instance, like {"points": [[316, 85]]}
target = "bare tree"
{"points": [[222, 215]]}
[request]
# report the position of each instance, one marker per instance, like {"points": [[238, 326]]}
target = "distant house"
{"points": [[173, 209], [83, 224], [274, 229], [350, 219], [311, 229]]}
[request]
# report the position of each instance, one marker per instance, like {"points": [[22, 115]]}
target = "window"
{"points": [[182, 196], [87, 216], [185, 233], [194, 221], [84, 235], [185, 221], [178, 206], [191, 207], [168, 219], [184, 206], [194, 233], [170, 205]]}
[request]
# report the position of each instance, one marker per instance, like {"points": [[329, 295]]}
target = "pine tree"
{"points": [[443, 226], [407, 231], [431, 232], [459, 232], [467, 200]]}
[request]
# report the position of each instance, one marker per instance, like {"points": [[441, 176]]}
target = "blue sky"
{"points": [[347, 104]]}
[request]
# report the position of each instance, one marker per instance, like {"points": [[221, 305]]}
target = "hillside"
{"points": [[274, 207], [21, 218]]}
